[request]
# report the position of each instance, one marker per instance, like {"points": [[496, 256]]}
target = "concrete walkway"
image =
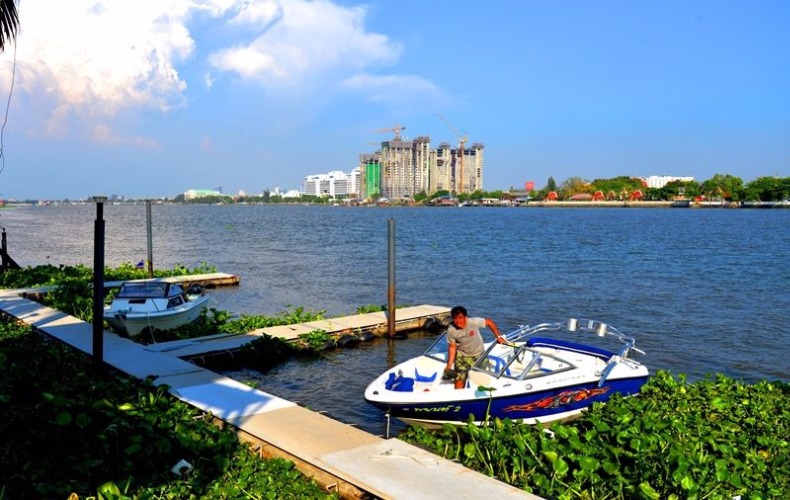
{"points": [[341, 457]]}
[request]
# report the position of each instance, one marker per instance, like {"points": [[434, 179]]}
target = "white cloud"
{"points": [[84, 62], [387, 88], [103, 134], [89, 60], [260, 13], [299, 40], [100, 57]]}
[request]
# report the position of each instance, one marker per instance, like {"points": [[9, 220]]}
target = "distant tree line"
{"points": [[723, 187], [720, 187]]}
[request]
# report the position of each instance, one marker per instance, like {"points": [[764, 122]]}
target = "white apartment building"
{"points": [[332, 184], [192, 194], [659, 181]]}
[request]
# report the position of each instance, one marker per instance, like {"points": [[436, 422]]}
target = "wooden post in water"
{"points": [[391, 278], [4, 252], [98, 285], [149, 233]]}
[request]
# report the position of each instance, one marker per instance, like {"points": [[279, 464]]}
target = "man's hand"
{"points": [[449, 374]]}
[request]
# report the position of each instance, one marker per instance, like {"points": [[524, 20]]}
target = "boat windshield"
{"points": [[518, 362], [148, 290], [438, 349]]}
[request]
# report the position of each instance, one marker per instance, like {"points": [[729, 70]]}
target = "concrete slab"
{"points": [[229, 400], [226, 343], [183, 380], [288, 332], [395, 469], [178, 344], [304, 433], [221, 278], [142, 364]]}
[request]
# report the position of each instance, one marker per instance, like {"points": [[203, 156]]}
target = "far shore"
{"points": [[643, 204]]}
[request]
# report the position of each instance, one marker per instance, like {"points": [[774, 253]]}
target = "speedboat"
{"points": [[148, 305], [530, 378]]}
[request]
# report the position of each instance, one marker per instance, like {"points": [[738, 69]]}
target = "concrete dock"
{"points": [[340, 457], [407, 318]]}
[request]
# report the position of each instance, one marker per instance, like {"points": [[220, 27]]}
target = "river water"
{"points": [[703, 290]]}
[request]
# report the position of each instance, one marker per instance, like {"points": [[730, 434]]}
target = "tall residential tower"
{"points": [[403, 168]]}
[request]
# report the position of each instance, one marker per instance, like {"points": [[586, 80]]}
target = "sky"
{"points": [[150, 98]]}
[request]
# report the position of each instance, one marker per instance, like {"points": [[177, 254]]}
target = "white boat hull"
{"points": [[535, 380], [132, 315]]}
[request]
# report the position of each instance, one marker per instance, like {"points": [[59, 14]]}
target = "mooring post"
{"points": [[98, 285], [391, 278], [149, 233], [4, 252]]}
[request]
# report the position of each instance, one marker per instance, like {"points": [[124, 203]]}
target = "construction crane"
{"points": [[462, 140], [397, 128]]}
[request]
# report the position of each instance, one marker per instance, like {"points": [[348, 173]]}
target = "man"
{"points": [[465, 343]]}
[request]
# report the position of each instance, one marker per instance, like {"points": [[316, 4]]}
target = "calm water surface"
{"points": [[702, 290]]}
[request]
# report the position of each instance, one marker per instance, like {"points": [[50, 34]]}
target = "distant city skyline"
{"points": [[150, 102]]}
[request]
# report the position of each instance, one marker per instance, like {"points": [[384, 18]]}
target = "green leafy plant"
{"points": [[716, 438], [72, 295], [111, 437], [370, 308], [317, 340]]}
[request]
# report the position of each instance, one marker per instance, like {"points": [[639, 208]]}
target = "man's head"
{"points": [[459, 314]]}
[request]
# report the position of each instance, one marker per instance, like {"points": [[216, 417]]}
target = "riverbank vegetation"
{"points": [[69, 433], [715, 439], [119, 438]]}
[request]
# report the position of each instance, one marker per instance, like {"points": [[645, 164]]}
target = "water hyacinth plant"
{"points": [[717, 438]]}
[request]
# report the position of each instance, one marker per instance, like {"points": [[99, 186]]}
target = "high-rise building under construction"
{"points": [[402, 168]]}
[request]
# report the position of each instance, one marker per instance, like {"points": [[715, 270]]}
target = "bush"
{"points": [[66, 430], [717, 438]]}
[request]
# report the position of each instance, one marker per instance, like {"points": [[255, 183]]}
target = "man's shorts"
{"points": [[462, 366]]}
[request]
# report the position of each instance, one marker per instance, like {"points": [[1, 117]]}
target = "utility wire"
{"points": [[8, 102]]}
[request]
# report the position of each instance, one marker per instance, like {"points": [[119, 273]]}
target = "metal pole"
{"points": [[149, 233], [98, 285], [391, 278], [4, 251]]}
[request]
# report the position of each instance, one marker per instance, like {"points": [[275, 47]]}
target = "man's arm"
{"points": [[490, 324], [451, 350]]}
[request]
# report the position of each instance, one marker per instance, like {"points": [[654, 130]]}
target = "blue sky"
{"points": [[151, 98]]}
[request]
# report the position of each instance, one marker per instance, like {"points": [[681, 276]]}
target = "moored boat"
{"points": [[148, 305], [533, 379]]}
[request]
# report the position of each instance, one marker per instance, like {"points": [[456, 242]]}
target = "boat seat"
{"points": [[426, 370], [478, 378], [424, 378]]}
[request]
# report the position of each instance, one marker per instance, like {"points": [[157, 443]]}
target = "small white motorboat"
{"points": [[530, 379], [147, 305]]}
